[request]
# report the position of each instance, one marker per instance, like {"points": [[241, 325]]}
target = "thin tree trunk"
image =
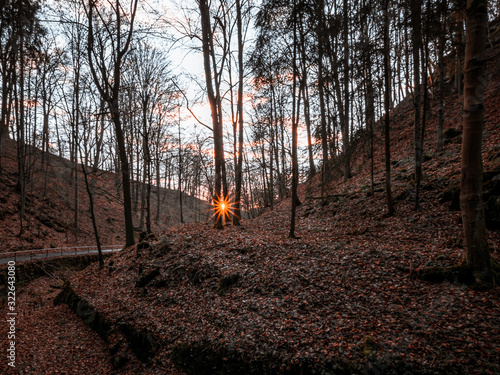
{"points": [[345, 128], [416, 8], [295, 119], [387, 104], [239, 165], [305, 94], [442, 41], [180, 168], [92, 214]]}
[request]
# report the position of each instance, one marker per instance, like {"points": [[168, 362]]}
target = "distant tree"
{"points": [[476, 252], [149, 78]]}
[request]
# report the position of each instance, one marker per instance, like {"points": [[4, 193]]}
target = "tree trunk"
{"points": [[442, 41], [320, 31], [305, 94], [181, 209], [345, 125], [416, 9], [127, 197], [295, 120], [476, 251], [387, 104], [239, 161], [92, 214], [207, 46]]}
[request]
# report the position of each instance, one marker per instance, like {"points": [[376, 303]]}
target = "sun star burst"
{"points": [[223, 207]]}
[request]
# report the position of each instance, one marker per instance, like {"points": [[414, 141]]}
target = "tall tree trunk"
{"points": [[127, 197], [207, 46], [147, 169], [369, 95], [345, 125], [320, 32], [21, 143], [416, 9], [476, 251], [458, 56], [295, 119], [387, 104], [76, 124], [239, 161], [180, 168], [305, 95], [370, 117]]}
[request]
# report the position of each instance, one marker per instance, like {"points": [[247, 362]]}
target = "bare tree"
{"points": [[215, 107], [106, 73]]}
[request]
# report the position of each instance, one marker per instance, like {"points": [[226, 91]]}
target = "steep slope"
{"points": [[50, 206]]}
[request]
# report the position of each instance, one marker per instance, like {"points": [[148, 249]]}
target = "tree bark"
{"points": [[476, 251]]}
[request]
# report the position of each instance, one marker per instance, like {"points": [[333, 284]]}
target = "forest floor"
{"points": [[343, 297]]}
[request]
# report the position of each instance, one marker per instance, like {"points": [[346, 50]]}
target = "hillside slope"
{"points": [[50, 206]]}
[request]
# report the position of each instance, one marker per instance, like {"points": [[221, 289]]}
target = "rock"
{"points": [[149, 237], [227, 281], [147, 277], [451, 133], [492, 213], [452, 195], [120, 360], [143, 245]]}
